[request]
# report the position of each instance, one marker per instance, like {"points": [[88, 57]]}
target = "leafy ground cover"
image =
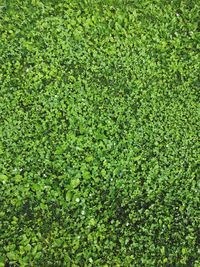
{"points": [[99, 127]]}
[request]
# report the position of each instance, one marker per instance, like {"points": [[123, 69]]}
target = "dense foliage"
{"points": [[99, 127]]}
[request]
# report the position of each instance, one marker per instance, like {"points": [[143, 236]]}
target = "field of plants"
{"points": [[100, 133]]}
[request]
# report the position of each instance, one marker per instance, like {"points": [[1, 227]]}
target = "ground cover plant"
{"points": [[99, 133]]}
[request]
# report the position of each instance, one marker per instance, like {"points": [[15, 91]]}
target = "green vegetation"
{"points": [[99, 133]]}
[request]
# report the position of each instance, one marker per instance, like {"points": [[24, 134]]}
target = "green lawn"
{"points": [[100, 133]]}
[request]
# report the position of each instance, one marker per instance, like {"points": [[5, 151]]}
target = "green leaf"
{"points": [[68, 196], [75, 183], [11, 256], [3, 178], [86, 175]]}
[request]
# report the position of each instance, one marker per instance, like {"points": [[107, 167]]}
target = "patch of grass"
{"points": [[99, 127]]}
